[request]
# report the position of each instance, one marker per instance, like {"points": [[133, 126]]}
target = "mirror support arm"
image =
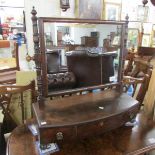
{"points": [[37, 57]]}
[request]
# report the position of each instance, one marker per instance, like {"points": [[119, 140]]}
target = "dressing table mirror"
{"points": [[74, 54], [72, 63]]}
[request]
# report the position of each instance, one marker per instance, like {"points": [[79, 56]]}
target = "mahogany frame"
{"points": [[40, 60]]}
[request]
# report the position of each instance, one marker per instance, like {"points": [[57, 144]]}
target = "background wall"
{"points": [[130, 7], [47, 8], [51, 8]]}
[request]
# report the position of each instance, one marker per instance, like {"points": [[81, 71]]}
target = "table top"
{"points": [[83, 109], [125, 140]]}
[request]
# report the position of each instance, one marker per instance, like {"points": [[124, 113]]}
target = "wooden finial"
{"points": [[33, 12], [144, 2], [127, 18]]}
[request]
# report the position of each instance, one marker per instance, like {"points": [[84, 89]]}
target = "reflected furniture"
{"points": [[58, 76], [79, 73], [128, 140], [61, 81], [53, 61], [89, 41], [9, 61], [91, 68]]}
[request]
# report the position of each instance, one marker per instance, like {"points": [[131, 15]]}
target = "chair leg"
{"points": [[2, 141]]}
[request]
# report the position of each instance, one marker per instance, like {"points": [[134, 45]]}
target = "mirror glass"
{"points": [[8, 55], [80, 54]]}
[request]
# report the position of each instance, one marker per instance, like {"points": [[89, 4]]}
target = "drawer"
{"points": [[80, 131], [48, 135], [113, 122]]}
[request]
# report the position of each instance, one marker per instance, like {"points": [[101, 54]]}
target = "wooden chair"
{"points": [[137, 73], [140, 85], [130, 59], [15, 102], [139, 61]]}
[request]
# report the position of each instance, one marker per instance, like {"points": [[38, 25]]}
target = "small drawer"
{"points": [[48, 135]]}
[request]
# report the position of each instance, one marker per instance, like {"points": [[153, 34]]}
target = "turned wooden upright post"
{"points": [[141, 35], [123, 52], [125, 42], [126, 30], [37, 58]]}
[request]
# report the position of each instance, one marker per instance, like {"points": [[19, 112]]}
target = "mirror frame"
{"points": [[40, 58]]}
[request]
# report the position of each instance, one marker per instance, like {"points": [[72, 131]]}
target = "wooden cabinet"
{"points": [[70, 117], [89, 41]]}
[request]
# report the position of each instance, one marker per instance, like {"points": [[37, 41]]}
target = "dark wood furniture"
{"points": [[54, 61], [70, 118], [2, 141], [124, 140], [137, 73], [89, 41], [8, 74], [146, 51], [10, 97], [140, 85], [40, 48], [91, 68], [139, 62], [61, 120], [15, 102]]}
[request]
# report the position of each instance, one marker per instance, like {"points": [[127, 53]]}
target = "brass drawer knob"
{"points": [[59, 136], [101, 124]]}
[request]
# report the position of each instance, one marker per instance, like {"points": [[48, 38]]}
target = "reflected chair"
{"points": [[16, 103], [130, 60]]}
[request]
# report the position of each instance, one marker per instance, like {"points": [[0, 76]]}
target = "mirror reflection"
{"points": [[81, 55]]}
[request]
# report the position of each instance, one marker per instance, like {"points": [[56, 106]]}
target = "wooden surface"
{"points": [[8, 77], [89, 41], [124, 140], [83, 109], [72, 116]]}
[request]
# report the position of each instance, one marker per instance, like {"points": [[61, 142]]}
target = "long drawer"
{"points": [[92, 128]]}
